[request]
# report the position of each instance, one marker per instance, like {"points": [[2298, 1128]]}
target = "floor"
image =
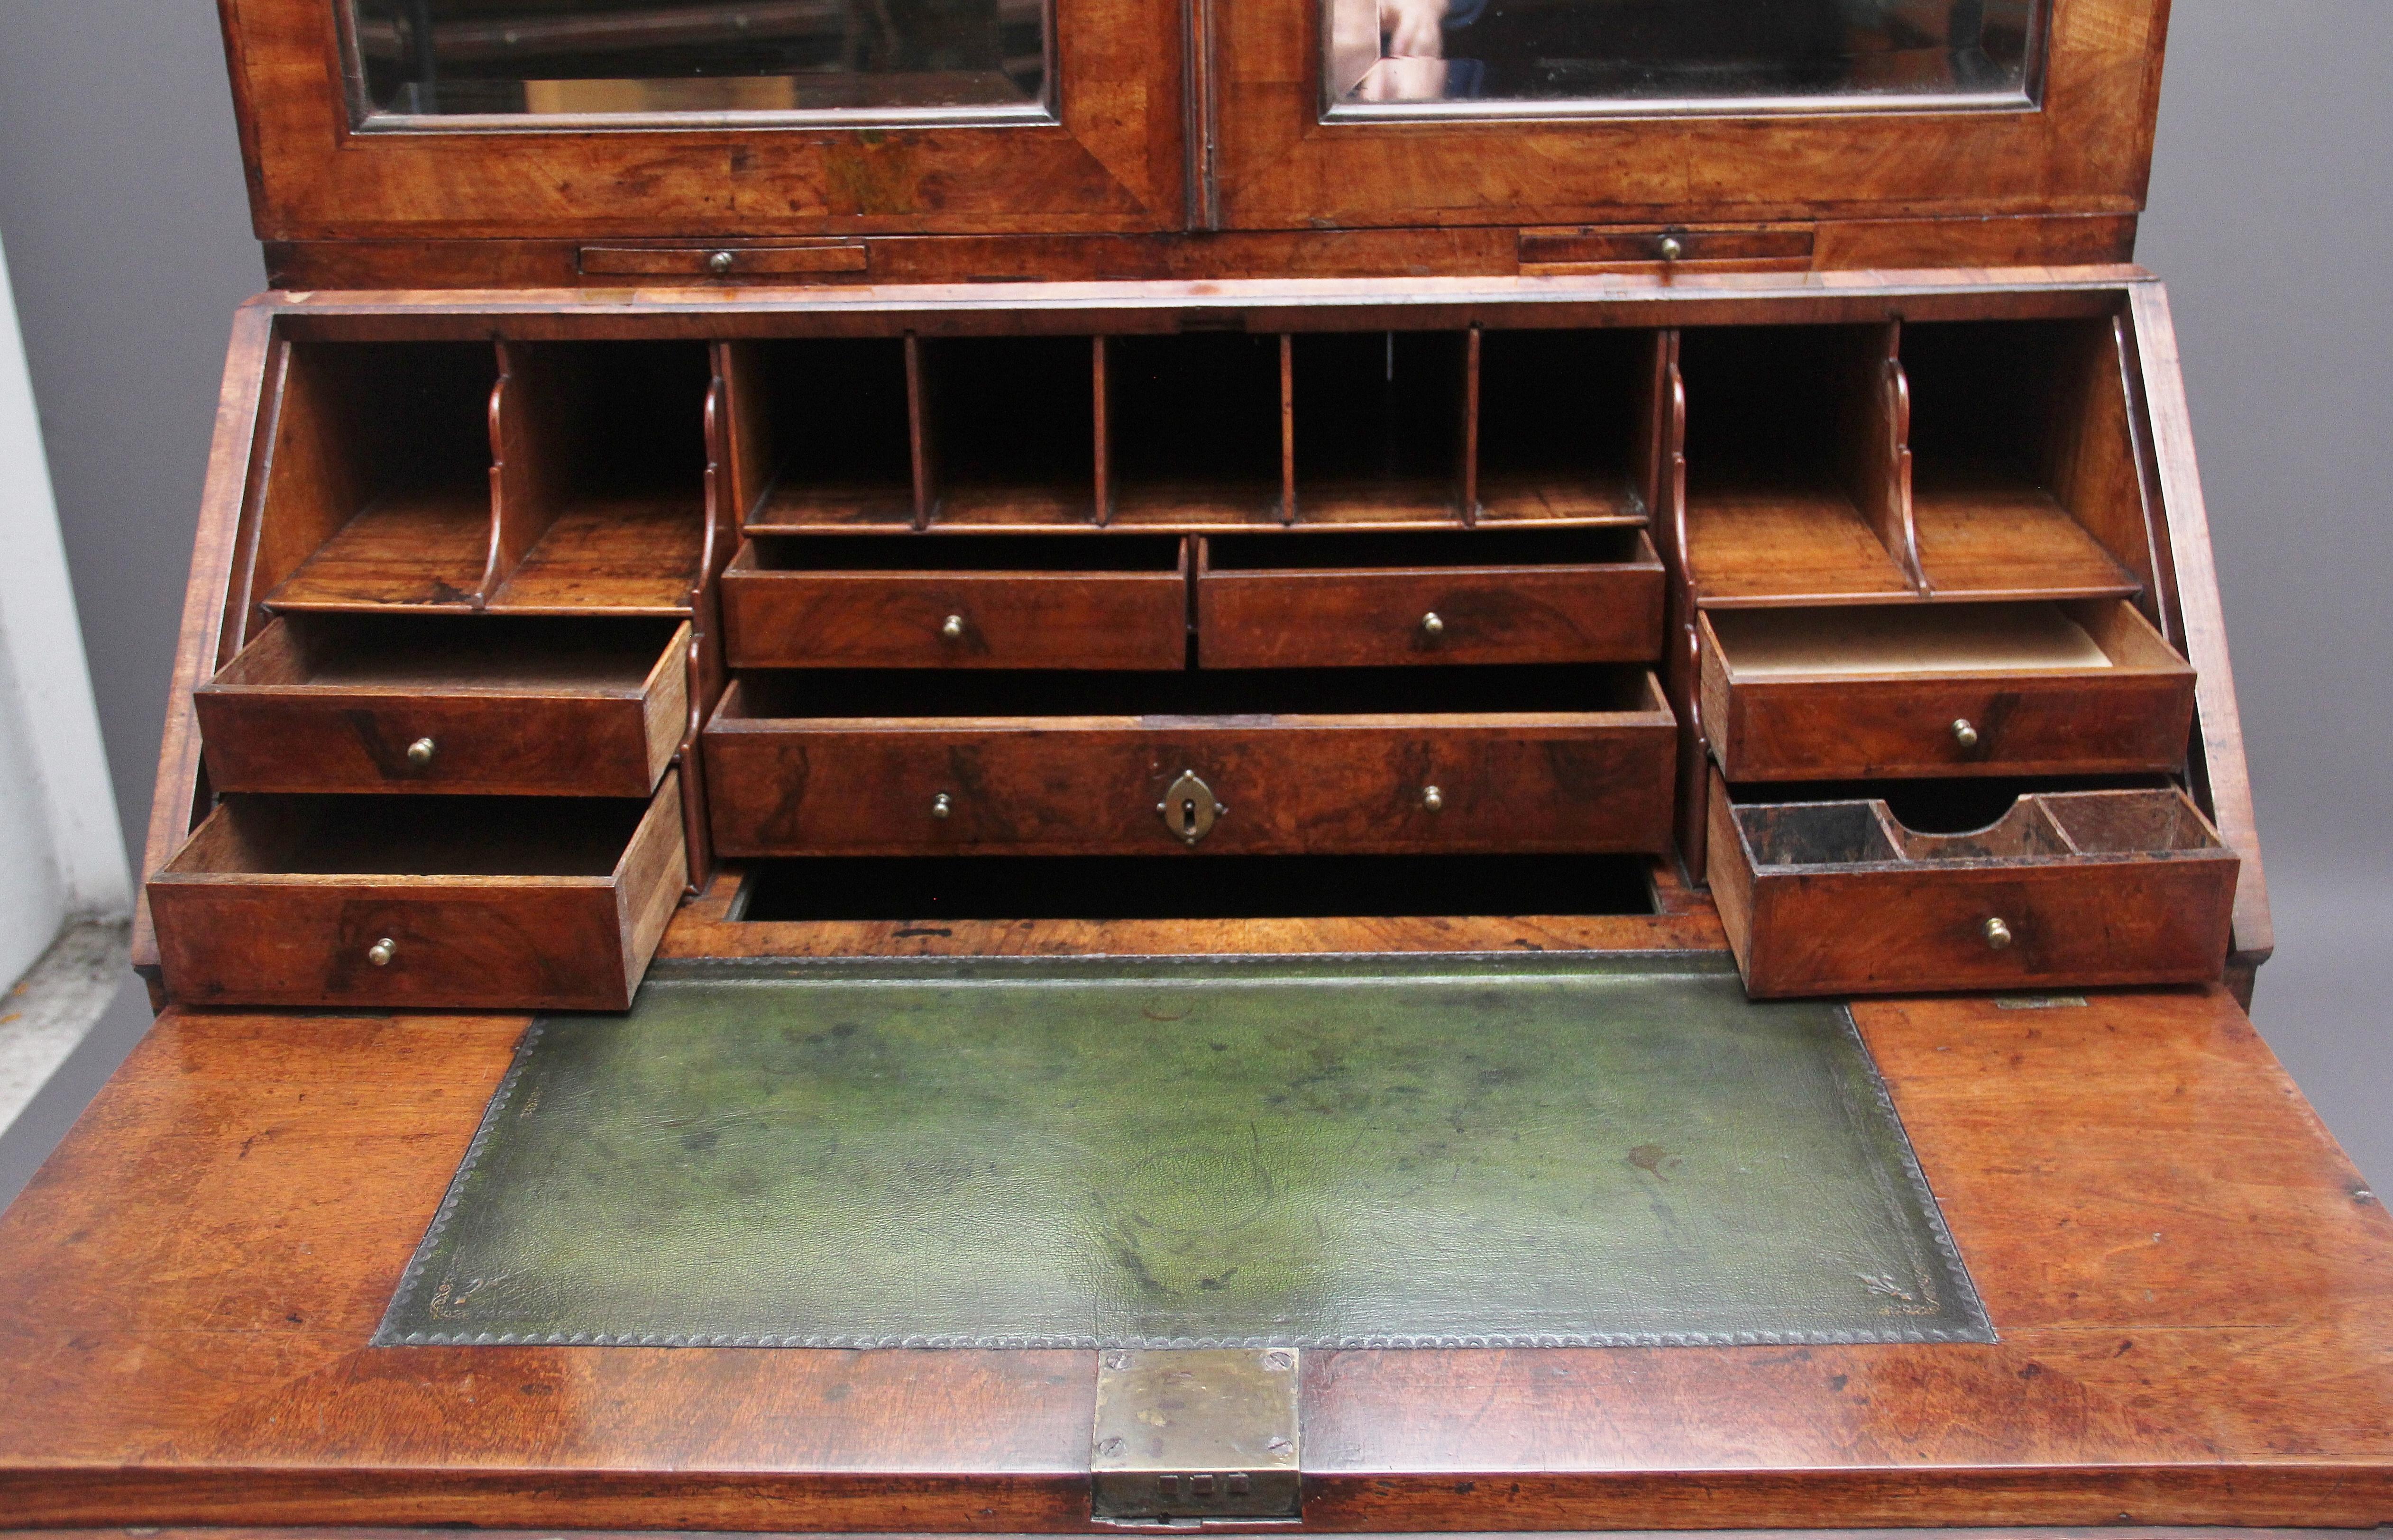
{"points": [[64, 1025]]}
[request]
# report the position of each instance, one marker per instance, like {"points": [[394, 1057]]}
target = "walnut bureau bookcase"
{"points": [[1206, 479]]}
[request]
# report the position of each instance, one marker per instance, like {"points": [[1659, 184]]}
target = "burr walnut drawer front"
{"points": [[462, 903], [937, 601], [1951, 689], [1309, 600], [791, 773], [456, 704], [2066, 890]]}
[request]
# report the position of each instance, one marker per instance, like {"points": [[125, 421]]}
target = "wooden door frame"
{"points": [[1110, 160], [1273, 162]]}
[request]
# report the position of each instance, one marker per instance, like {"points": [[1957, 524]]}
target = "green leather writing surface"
{"points": [[1180, 1151]]}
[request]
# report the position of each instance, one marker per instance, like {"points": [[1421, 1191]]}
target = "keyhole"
{"points": [[1187, 815]]}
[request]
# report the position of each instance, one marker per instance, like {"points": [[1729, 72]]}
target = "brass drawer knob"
{"points": [[382, 951], [420, 752], [1964, 732], [1432, 625], [1433, 799], [721, 262], [1673, 248], [1998, 933], [952, 628], [941, 806]]}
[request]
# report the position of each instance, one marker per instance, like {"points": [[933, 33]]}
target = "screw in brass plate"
{"points": [[941, 806], [420, 752], [1432, 625], [1964, 732], [1433, 799], [721, 262], [382, 951], [1998, 933], [952, 628]]}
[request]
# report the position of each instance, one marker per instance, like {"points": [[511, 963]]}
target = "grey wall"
{"points": [[123, 210]]}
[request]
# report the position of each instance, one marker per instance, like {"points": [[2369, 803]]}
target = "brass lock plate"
{"points": [[1189, 808], [1183, 1435]]}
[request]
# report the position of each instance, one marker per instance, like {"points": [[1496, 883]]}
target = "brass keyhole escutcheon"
{"points": [[1188, 808], [1998, 933]]}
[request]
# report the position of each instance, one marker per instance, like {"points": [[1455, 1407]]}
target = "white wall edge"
{"points": [[41, 652]]}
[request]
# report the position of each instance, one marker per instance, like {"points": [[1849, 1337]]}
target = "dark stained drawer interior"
{"points": [[486, 903], [483, 705]]}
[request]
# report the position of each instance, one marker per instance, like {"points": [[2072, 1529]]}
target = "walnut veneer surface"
{"points": [[2193, 1288]]}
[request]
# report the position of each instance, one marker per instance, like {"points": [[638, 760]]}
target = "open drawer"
{"points": [[488, 904], [1567, 760], [2013, 689], [2067, 889], [470, 704], [1306, 600], [958, 601]]}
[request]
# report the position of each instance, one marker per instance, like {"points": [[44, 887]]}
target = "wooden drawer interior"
{"points": [[454, 704], [958, 601], [485, 902], [2083, 687], [2064, 888]]}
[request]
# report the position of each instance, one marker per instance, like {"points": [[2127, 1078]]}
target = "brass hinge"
{"points": [[1186, 1437]]}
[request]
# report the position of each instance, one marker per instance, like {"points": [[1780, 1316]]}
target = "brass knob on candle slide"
{"points": [[382, 951], [952, 628], [1998, 933], [420, 752], [1433, 799], [1672, 249], [1433, 626], [1964, 733], [721, 262], [941, 806]]}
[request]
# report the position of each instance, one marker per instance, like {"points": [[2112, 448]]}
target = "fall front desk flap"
{"points": [[1318, 1152]]}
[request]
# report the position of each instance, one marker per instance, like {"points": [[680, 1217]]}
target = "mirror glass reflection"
{"points": [[450, 58], [1692, 54]]}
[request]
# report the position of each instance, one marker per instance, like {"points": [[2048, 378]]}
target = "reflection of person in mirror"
{"points": [[1412, 53]]}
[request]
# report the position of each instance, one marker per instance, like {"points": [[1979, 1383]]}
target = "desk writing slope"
{"points": [[2195, 1294], [1079, 1152]]}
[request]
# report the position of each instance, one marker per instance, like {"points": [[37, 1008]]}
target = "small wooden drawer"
{"points": [[1591, 596], [1591, 771], [2068, 890], [958, 601], [2008, 690], [482, 705], [484, 903]]}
